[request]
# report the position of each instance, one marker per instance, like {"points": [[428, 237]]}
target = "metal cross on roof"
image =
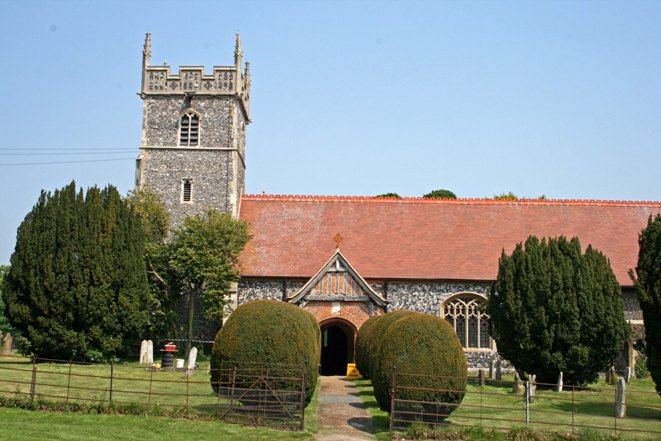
{"points": [[338, 239]]}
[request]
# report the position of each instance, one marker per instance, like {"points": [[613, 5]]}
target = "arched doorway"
{"points": [[337, 346]]}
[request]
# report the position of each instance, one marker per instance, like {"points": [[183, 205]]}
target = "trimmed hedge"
{"points": [[426, 346], [269, 332], [375, 336], [363, 344]]}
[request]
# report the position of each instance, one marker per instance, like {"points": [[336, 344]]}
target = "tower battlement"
{"points": [[225, 80]]}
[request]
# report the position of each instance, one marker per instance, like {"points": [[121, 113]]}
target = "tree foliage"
{"points": [[440, 194], [556, 309], [156, 222], [77, 286], [272, 333], [203, 261], [4, 322], [648, 290], [430, 364], [388, 195], [506, 196]]}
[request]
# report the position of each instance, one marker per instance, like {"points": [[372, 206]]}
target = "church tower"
{"points": [[192, 152]]}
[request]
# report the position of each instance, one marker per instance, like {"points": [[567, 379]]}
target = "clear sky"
{"points": [[558, 98]]}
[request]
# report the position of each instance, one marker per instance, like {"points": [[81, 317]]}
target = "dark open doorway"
{"points": [[337, 340]]}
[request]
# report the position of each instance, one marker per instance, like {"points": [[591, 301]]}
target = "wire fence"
{"points": [[502, 405], [247, 393]]}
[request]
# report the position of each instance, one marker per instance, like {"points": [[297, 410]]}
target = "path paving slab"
{"points": [[342, 414]]}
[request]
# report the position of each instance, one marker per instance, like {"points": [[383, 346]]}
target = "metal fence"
{"points": [[248, 393], [502, 405]]}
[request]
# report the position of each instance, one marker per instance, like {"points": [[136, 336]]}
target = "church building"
{"points": [[346, 259]]}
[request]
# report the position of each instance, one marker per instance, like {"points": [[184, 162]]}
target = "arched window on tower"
{"points": [[189, 129], [465, 314]]}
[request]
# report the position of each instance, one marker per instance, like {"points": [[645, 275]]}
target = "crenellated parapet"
{"points": [[225, 80]]}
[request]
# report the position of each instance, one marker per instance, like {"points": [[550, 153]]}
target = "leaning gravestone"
{"points": [[6, 344], [192, 358], [516, 385], [620, 405]]}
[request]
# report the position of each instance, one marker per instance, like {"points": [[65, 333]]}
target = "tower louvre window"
{"points": [[186, 190], [189, 129]]}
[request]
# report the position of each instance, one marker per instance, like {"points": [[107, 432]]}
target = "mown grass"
{"points": [[135, 390], [26, 425], [495, 409]]}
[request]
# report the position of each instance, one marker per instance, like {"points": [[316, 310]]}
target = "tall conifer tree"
{"points": [[648, 291], [77, 284], [554, 308]]}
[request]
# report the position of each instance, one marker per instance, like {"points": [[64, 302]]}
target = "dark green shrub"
{"points": [[557, 309], [363, 342], [427, 348], [270, 333], [648, 290], [374, 337]]}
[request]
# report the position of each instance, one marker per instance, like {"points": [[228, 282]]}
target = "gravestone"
{"points": [[517, 386], [192, 358], [560, 382], [532, 385], [491, 366], [6, 344], [627, 374], [620, 405], [499, 371], [150, 352], [143, 352], [480, 376], [611, 377]]}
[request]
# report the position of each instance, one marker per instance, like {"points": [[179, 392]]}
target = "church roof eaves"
{"points": [[466, 201]]}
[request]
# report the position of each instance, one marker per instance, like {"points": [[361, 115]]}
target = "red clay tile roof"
{"points": [[414, 238]]}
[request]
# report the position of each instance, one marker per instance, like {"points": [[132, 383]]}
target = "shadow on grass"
{"points": [[608, 410]]}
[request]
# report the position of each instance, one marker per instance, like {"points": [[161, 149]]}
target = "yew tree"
{"points": [[77, 287], [554, 308], [648, 290]]}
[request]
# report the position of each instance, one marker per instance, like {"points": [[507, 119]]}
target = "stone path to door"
{"points": [[342, 414]]}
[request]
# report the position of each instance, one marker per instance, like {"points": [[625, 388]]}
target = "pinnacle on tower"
{"points": [[238, 52], [146, 51]]}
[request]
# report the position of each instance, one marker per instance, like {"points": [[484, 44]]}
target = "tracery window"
{"points": [[189, 129], [465, 315]]}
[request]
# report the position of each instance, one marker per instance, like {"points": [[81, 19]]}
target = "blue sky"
{"points": [[349, 98]]}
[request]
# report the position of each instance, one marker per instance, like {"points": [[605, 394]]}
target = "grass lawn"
{"points": [[131, 384], [496, 406], [24, 425]]}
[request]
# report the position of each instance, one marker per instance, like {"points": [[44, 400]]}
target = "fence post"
{"points": [[187, 389], [112, 368], [151, 379], [573, 408], [303, 386], [527, 402], [392, 398], [68, 381], [33, 385]]}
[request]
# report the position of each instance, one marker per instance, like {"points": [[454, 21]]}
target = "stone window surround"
{"points": [[184, 181], [470, 295], [189, 113]]}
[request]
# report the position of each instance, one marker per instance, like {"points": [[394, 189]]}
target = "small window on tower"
{"points": [[189, 129], [186, 190]]}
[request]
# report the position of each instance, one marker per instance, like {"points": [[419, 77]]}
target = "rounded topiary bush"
{"points": [[363, 344], [428, 348], [269, 333], [375, 335]]}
